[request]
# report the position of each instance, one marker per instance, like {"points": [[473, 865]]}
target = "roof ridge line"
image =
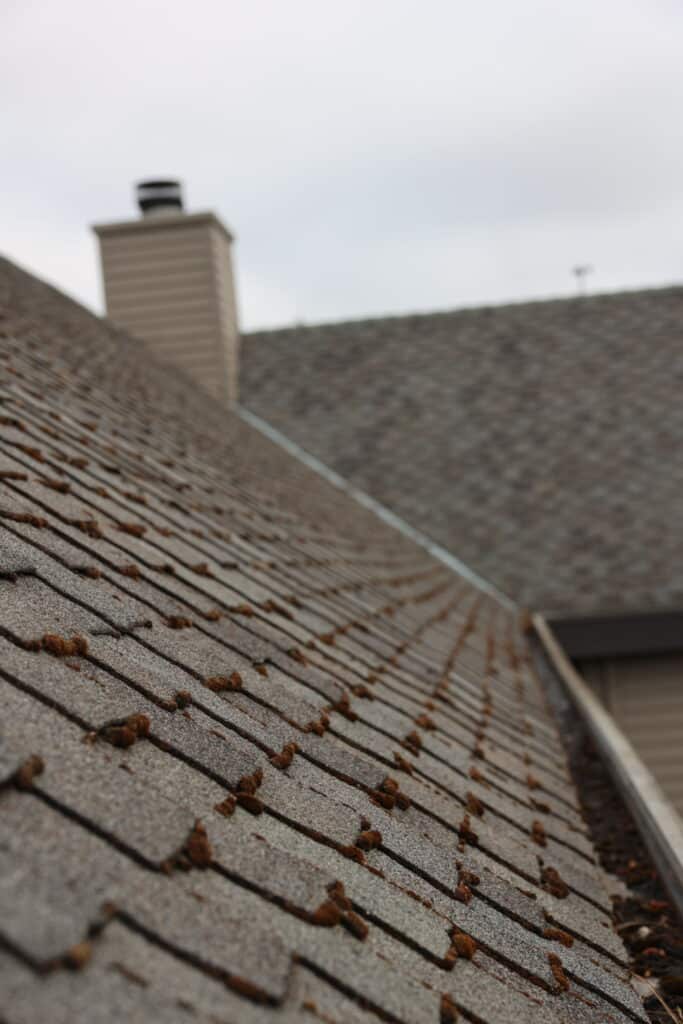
{"points": [[380, 510], [494, 306]]}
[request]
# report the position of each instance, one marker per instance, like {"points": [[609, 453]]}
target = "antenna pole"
{"points": [[581, 272]]}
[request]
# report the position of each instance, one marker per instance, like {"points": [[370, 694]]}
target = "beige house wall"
{"points": [[168, 280], [645, 697]]}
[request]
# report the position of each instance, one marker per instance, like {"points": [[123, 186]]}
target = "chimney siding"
{"points": [[168, 280]]}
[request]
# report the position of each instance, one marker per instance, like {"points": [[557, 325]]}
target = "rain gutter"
{"points": [[657, 819]]}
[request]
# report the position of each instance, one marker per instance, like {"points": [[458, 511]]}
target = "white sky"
{"points": [[372, 157]]}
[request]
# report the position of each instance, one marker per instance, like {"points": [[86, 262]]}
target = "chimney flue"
{"points": [[159, 197]]}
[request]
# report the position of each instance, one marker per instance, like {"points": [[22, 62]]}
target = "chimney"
{"points": [[168, 280]]}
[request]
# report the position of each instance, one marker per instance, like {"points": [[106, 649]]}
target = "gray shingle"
{"points": [[85, 778], [29, 609], [221, 925], [103, 994], [49, 901], [458, 422]]}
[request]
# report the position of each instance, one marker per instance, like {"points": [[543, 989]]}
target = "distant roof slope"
{"points": [[539, 442], [256, 766]]}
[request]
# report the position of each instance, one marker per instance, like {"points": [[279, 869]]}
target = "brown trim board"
{"points": [[634, 633]]}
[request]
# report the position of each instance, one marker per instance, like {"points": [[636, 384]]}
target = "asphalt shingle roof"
{"points": [[537, 442], [261, 758]]}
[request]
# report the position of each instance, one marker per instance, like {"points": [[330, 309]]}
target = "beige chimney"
{"points": [[168, 280]]}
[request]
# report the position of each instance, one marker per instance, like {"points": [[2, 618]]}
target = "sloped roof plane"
{"points": [[261, 758], [538, 441]]}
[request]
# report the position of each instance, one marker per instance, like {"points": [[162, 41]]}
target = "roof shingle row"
{"points": [[261, 758]]}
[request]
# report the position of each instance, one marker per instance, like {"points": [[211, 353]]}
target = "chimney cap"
{"points": [[159, 195]]}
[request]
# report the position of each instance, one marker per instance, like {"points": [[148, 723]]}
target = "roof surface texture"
{"points": [[261, 759], [537, 442]]}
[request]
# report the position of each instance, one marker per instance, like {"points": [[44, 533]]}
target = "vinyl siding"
{"points": [[645, 696], [169, 282]]}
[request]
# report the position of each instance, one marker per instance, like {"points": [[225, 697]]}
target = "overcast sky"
{"points": [[371, 157]]}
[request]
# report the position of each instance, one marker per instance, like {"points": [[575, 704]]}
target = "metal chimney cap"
{"points": [[159, 196]]}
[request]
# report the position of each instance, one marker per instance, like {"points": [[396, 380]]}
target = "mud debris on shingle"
{"points": [[32, 767], [558, 935], [196, 852], [284, 758], [553, 883], [126, 733]]}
